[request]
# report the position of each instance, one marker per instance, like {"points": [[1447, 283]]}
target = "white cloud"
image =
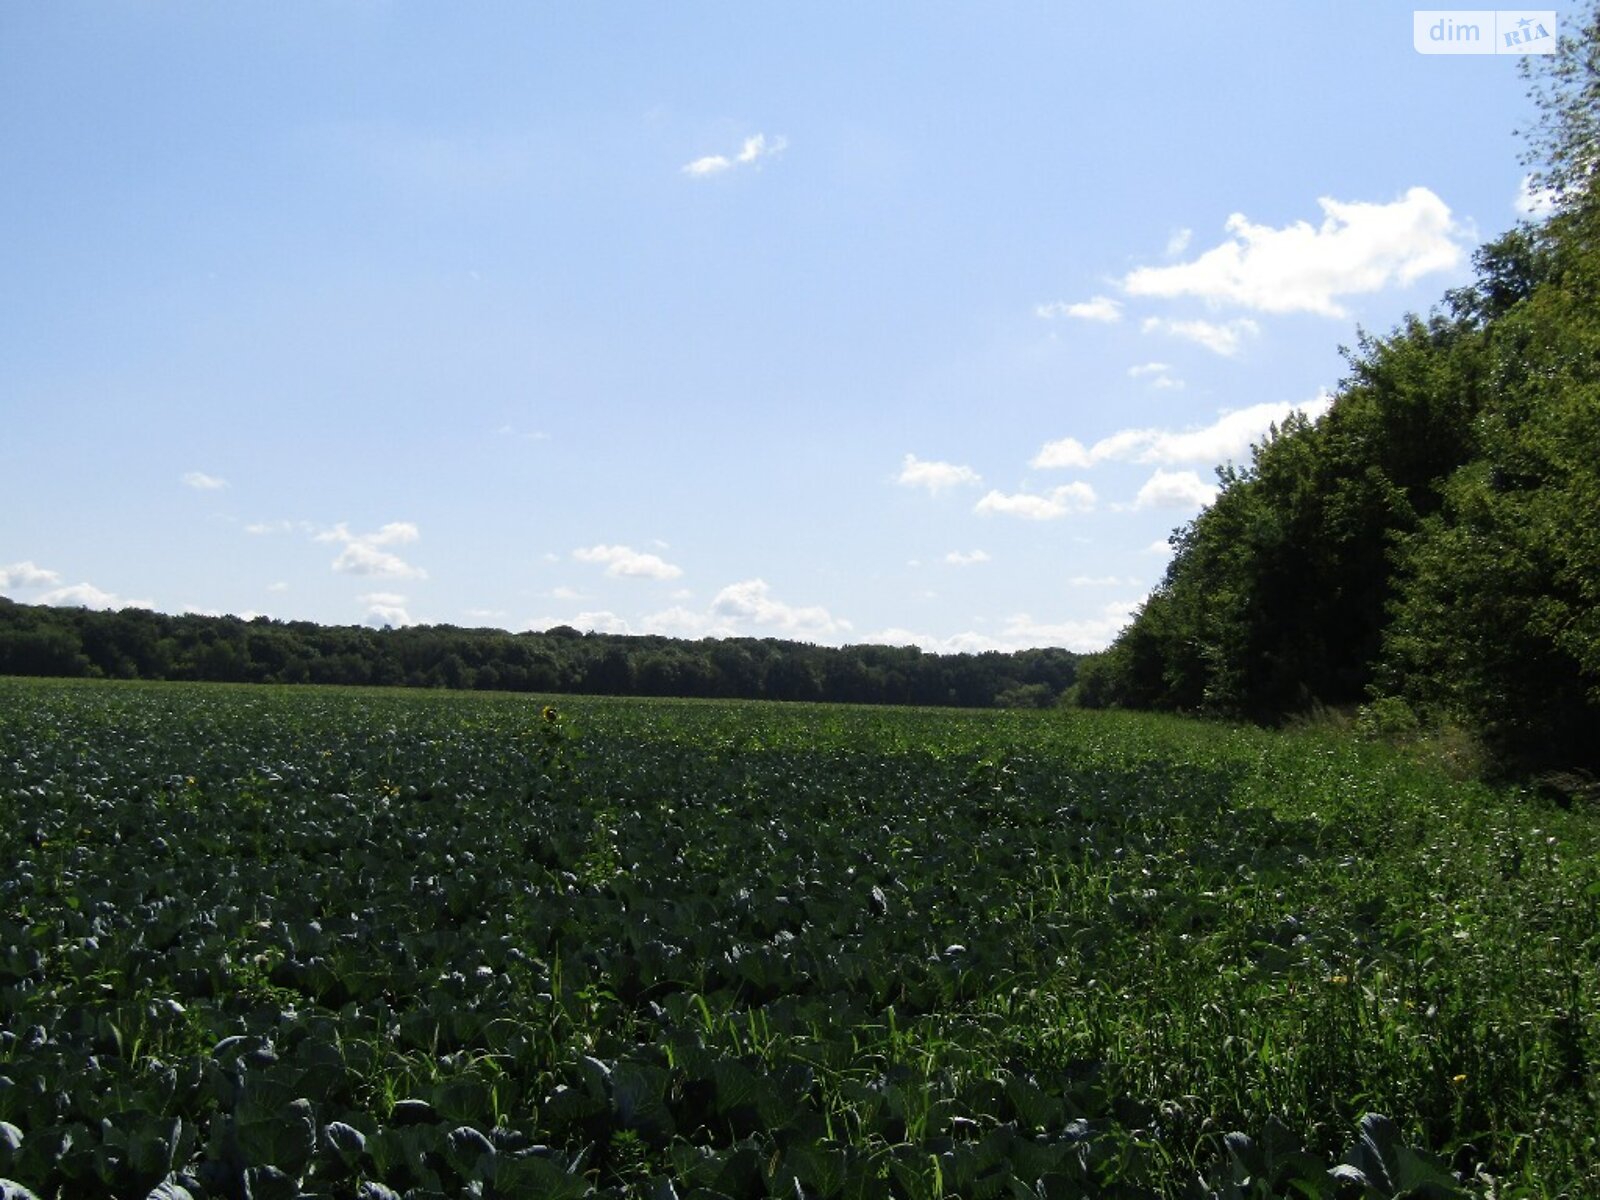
{"points": [[1066, 452], [279, 586], [86, 595], [681, 622], [200, 481], [711, 164], [27, 574], [751, 602], [934, 476], [1224, 339], [1358, 248], [737, 618], [1102, 581], [1175, 489], [1178, 242], [1084, 635], [751, 152], [1531, 202], [958, 559], [1227, 438], [362, 554], [1058, 502], [1161, 546], [388, 535], [758, 147], [363, 558], [385, 608], [1158, 374], [603, 621], [1100, 308], [628, 563], [1021, 632]]}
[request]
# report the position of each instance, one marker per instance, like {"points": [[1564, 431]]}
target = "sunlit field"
{"points": [[277, 942]]}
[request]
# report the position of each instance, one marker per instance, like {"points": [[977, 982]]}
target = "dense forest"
{"points": [[137, 644], [1431, 545]]}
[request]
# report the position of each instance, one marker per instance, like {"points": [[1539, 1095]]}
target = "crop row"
{"points": [[275, 942]]}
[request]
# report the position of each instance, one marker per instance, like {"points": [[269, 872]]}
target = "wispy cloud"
{"points": [[1227, 438], [751, 152], [740, 609], [1225, 339], [1157, 375], [935, 476], [1100, 308], [1358, 248], [627, 563], [1021, 632], [1058, 502], [202, 482], [957, 558]]}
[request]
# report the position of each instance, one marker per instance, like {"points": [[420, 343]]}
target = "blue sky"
{"points": [[895, 322]]}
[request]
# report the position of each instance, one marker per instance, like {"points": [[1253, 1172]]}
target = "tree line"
{"points": [[138, 644], [1430, 546]]}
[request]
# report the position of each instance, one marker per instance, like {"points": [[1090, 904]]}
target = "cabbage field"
{"points": [[276, 942]]}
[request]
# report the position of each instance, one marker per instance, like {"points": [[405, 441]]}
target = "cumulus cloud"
{"points": [[1227, 438], [958, 559], [935, 476], [1076, 497], [1358, 248], [202, 482], [750, 152], [385, 608], [363, 553], [1224, 338], [751, 602], [27, 574], [627, 563], [1099, 308], [360, 558], [1175, 489], [86, 595]]}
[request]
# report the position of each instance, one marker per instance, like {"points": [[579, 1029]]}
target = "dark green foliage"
{"points": [[1435, 537], [283, 941], [135, 644]]}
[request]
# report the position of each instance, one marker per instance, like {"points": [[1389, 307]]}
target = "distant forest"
{"points": [[137, 644]]}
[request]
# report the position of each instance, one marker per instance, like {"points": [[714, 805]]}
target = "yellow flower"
{"points": [[548, 712], [1458, 1080]]}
